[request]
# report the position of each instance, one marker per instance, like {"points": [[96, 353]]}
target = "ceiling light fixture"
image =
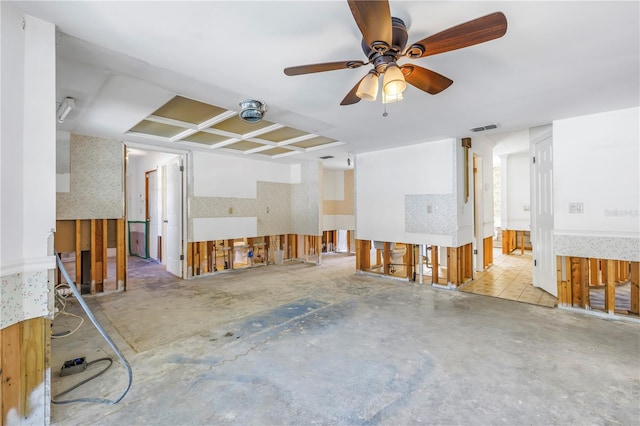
{"points": [[368, 87], [393, 81], [65, 108], [252, 111]]}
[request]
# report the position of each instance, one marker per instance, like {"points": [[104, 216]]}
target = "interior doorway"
{"points": [[154, 205]]}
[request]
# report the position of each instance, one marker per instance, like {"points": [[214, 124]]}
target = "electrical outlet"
{"points": [[576, 208], [429, 209], [73, 366]]}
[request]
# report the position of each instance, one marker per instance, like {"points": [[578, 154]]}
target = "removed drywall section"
{"points": [[97, 180], [597, 185]]}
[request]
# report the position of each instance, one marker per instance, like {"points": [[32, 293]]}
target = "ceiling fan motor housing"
{"points": [[381, 58]]}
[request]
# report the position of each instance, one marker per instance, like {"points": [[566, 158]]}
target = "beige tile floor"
{"points": [[510, 277]]}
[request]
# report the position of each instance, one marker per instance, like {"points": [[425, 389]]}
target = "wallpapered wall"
{"points": [[96, 185], [278, 208]]}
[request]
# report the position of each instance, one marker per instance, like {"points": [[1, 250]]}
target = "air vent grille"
{"points": [[326, 157], [483, 128]]}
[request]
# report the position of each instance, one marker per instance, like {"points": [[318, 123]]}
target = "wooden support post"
{"points": [[623, 268], [635, 288], [468, 263], [453, 266], [105, 251], [190, 271], [379, 258], [204, 257], [100, 242], [435, 268], [409, 255], [93, 252], [521, 242], [121, 255], [487, 252], [318, 243], [576, 282], [605, 271], [211, 256], [610, 291], [78, 256], [348, 241], [584, 283], [386, 258], [230, 253], [363, 257], [564, 280], [594, 272]]}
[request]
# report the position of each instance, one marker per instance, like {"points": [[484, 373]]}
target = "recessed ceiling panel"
{"points": [[282, 134], [188, 110], [275, 151], [205, 138], [156, 129], [313, 142], [240, 127], [244, 145]]}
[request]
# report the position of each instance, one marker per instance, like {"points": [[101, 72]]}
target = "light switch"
{"points": [[576, 208]]}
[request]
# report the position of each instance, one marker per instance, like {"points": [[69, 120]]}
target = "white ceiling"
{"points": [[123, 60]]}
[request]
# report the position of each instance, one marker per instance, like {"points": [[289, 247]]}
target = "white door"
{"points": [[544, 269], [153, 212], [173, 218]]}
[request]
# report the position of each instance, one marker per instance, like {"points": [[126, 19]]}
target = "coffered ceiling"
{"points": [[187, 122]]}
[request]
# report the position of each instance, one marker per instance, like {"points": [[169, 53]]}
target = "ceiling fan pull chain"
{"points": [[385, 113]]}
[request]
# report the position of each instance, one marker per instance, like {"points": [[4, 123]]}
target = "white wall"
{"points": [[28, 146], [333, 184], [138, 163], [516, 191], [226, 176], [597, 185], [417, 176]]}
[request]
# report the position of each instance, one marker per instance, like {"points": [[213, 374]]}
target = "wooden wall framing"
{"points": [[25, 350], [94, 237], [577, 276]]}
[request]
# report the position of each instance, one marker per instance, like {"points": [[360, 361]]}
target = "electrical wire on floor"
{"points": [[62, 292], [106, 337]]}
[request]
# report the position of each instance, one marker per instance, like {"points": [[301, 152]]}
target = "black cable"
{"points": [[77, 385], [104, 334]]}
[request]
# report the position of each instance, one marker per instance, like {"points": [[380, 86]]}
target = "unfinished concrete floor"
{"points": [[301, 344]]}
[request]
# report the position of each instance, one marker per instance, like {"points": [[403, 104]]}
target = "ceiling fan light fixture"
{"points": [[252, 111], [387, 99], [368, 88], [393, 81]]}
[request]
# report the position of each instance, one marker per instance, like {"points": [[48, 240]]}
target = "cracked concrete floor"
{"points": [[302, 344]]}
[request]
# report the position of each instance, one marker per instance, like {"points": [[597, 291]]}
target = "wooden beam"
{"points": [[452, 265], [434, 265], [105, 252], [521, 242], [93, 257], [78, 256], [635, 288], [386, 258], [610, 291], [594, 272], [576, 282], [121, 255], [584, 283]]}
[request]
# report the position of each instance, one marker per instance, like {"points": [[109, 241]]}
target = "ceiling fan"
{"points": [[384, 41]]}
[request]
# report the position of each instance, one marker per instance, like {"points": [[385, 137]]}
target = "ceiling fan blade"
{"points": [[467, 34], [351, 97], [424, 79], [327, 66], [373, 19]]}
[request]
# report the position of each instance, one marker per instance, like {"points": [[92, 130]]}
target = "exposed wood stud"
{"points": [[435, 269], [635, 288], [78, 256], [610, 291]]}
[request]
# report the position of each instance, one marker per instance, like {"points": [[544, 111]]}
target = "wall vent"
{"points": [[326, 157], [483, 128]]}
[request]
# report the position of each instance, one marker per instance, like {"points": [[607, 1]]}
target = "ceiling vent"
{"points": [[252, 111], [326, 157], [483, 128]]}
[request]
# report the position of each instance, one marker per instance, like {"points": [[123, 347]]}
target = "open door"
{"points": [[544, 267], [173, 217], [152, 212]]}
